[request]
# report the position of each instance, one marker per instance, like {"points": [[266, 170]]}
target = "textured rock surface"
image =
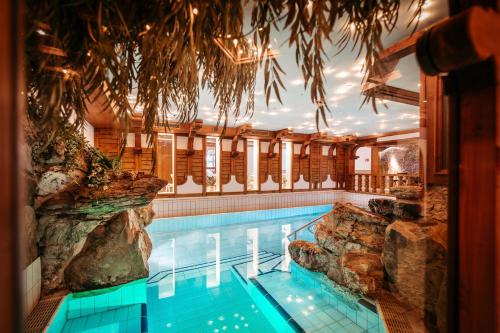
{"points": [[308, 255], [90, 216], [357, 226], [414, 257], [349, 243], [29, 234], [363, 272], [68, 217], [436, 204], [407, 192], [407, 210], [382, 206], [52, 182], [114, 253], [402, 209]]}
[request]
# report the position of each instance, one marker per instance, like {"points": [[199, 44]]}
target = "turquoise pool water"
{"points": [[220, 273]]}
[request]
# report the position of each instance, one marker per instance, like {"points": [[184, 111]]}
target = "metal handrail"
{"points": [[305, 226]]}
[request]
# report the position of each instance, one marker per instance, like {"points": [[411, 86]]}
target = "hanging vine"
{"points": [[155, 55]]}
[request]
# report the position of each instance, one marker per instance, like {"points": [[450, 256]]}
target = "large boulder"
{"points": [[114, 253], [414, 258]]}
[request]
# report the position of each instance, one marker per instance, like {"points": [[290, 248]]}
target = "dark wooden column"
{"points": [[12, 108], [467, 47]]}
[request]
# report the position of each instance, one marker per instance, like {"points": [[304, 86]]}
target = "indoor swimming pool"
{"points": [[222, 273]]}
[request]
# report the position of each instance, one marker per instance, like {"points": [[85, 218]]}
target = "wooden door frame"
{"points": [[12, 109], [466, 48]]}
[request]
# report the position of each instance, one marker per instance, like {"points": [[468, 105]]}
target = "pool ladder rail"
{"points": [[309, 225]]}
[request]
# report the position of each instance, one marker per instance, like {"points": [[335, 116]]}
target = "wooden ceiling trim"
{"points": [[277, 137], [390, 93], [234, 143]]}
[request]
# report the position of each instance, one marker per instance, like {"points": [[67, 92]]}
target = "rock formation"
{"points": [[414, 258], [415, 250], [348, 249], [90, 217], [399, 245], [114, 253]]}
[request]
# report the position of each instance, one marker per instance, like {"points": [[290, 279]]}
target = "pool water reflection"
{"points": [[219, 273]]}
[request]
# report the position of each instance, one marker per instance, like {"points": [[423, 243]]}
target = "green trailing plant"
{"points": [[155, 55], [70, 150]]}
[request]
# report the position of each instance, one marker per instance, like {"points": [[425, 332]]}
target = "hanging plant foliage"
{"points": [[155, 55]]}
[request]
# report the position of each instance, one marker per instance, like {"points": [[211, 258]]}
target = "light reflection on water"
{"points": [[192, 247]]}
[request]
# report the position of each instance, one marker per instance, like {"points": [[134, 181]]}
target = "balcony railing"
{"points": [[380, 184]]}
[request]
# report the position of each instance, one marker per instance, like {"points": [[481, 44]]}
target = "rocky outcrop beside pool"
{"points": [[398, 246], [348, 248], [90, 218]]}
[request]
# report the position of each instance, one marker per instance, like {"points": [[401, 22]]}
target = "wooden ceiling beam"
{"points": [[385, 67], [401, 48], [371, 139], [395, 94]]}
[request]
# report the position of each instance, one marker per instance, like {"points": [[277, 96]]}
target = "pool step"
{"points": [[266, 264], [225, 263]]}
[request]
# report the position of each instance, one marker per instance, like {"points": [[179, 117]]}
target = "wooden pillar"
{"points": [[375, 167], [12, 109], [466, 46]]}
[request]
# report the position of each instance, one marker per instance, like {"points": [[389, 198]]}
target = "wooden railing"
{"points": [[379, 184]]}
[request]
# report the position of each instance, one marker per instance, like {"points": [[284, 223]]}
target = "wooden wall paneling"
{"points": [[107, 141], [296, 169], [315, 164], [432, 129], [181, 166], [174, 167], [182, 169], [275, 164], [245, 167], [146, 161], [375, 166], [325, 166], [203, 166], [155, 148], [226, 163], [263, 166], [258, 147]]}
